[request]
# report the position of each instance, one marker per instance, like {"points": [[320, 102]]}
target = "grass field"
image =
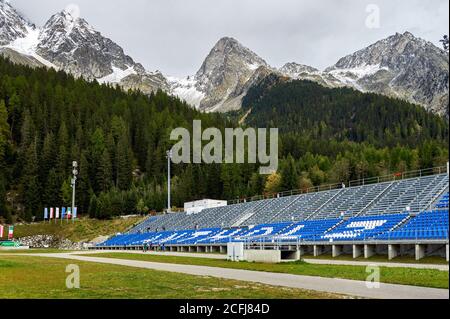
{"points": [[81, 230], [400, 259], [405, 276], [44, 278]]}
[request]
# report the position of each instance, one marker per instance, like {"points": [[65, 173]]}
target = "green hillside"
{"points": [[120, 139], [82, 230]]}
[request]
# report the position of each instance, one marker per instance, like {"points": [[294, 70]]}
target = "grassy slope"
{"points": [[32, 277], [81, 230], [405, 276]]}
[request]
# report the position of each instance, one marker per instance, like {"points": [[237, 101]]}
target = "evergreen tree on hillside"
{"points": [[289, 173], [49, 119], [31, 185]]}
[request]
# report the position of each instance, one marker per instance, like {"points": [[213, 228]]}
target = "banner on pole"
{"points": [[11, 232], [52, 213], [1, 231], [75, 212], [57, 212], [63, 213], [45, 213], [69, 213]]}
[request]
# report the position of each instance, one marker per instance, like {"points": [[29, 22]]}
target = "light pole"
{"points": [[169, 159], [74, 181]]}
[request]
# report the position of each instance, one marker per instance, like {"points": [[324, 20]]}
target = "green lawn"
{"points": [[405, 276], [81, 230], [401, 259], [44, 278]]}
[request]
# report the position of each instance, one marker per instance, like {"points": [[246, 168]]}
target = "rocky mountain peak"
{"points": [[73, 45], [296, 70], [12, 24], [401, 66], [228, 55], [393, 52], [223, 75]]}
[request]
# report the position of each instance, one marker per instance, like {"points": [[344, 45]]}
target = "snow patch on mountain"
{"points": [[351, 76], [186, 90], [117, 75], [27, 46]]}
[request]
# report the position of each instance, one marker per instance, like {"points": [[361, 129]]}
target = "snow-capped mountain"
{"points": [[69, 43], [400, 66], [295, 70], [222, 80], [12, 24], [73, 45]]}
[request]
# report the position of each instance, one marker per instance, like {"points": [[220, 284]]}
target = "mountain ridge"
{"points": [[401, 66]]}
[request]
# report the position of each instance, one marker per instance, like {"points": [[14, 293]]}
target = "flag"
{"points": [[45, 213], [57, 213], [69, 213], [63, 213], [11, 232], [52, 213], [1, 231], [75, 212]]}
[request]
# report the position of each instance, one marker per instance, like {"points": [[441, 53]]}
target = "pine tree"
{"points": [[289, 179], [83, 185], [52, 196], [32, 193], [124, 164], [104, 172], [4, 129]]}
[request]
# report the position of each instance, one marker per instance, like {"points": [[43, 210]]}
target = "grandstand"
{"points": [[389, 215]]}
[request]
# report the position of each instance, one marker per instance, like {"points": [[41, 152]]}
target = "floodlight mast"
{"points": [[74, 181]]}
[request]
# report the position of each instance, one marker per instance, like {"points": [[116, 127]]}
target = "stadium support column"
{"points": [[420, 251], [337, 250], [393, 251], [318, 250], [357, 250], [369, 251]]}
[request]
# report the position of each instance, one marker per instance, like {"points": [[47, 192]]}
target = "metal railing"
{"points": [[353, 183]]}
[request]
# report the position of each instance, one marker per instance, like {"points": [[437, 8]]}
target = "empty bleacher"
{"points": [[364, 228], [426, 226], [407, 209]]}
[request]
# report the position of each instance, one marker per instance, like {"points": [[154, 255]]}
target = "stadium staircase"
{"points": [[325, 204]]}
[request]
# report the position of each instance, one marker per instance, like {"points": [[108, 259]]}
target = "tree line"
{"points": [[49, 119]]}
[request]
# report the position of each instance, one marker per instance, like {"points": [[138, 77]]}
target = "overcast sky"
{"points": [[174, 36]]}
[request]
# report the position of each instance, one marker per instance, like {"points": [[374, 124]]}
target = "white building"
{"points": [[197, 206]]}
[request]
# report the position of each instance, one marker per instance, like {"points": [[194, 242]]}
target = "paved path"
{"points": [[331, 285], [310, 261]]}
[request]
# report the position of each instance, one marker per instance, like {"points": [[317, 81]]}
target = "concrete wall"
{"points": [[263, 256]]}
